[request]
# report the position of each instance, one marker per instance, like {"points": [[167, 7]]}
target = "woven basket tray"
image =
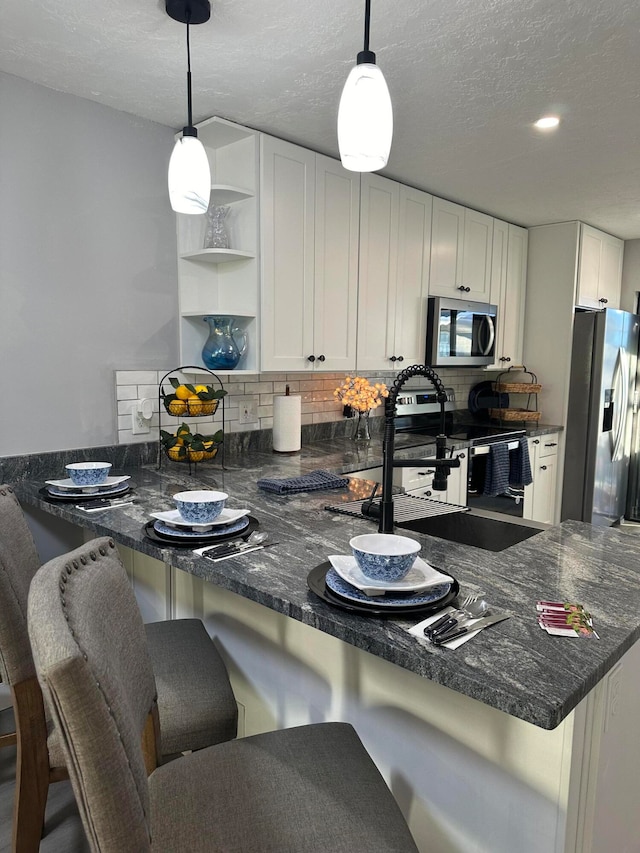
{"points": [[514, 415], [518, 387]]}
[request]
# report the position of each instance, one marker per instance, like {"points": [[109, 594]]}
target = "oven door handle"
{"points": [[483, 449]]}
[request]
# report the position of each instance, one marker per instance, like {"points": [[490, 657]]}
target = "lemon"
{"points": [[182, 392], [177, 407], [194, 405], [174, 453], [201, 388], [196, 455]]}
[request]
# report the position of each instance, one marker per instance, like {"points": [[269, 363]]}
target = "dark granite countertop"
{"points": [[515, 667]]}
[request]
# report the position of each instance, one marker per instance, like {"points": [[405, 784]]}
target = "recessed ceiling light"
{"points": [[547, 123]]}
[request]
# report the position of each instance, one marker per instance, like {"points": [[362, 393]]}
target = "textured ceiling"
{"points": [[467, 79]]}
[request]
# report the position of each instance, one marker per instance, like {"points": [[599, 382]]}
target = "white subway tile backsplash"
{"points": [[315, 388]]}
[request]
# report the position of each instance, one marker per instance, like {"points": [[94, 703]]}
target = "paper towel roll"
{"points": [[286, 424]]}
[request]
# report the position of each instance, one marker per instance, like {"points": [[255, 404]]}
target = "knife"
{"points": [[439, 639]]}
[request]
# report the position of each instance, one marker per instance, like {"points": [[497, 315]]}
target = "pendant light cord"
{"points": [[367, 16], [189, 115]]}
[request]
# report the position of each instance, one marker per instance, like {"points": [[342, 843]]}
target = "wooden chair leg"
{"points": [[8, 735], [32, 767], [151, 741]]}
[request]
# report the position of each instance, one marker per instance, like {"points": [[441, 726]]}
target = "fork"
{"points": [[461, 604]]}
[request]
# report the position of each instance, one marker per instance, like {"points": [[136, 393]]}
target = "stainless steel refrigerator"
{"points": [[599, 423]]}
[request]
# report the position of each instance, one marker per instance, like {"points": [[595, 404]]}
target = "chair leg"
{"points": [[32, 767]]}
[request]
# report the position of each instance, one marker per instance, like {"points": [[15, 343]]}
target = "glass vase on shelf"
{"points": [[216, 235], [362, 426]]}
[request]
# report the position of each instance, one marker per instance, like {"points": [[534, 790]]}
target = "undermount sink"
{"points": [[469, 528]]}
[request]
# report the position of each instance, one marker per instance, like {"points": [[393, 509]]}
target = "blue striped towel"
{"points": [[497, 476], [520, 465], [311, 482]]}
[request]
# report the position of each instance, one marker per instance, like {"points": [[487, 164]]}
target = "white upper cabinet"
{"points": [[395, 229], [600, 269], [461, 248], [309, 216], [508, 283]]}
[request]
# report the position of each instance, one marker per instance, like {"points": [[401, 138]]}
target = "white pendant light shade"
{"points": [[189, 176], [365, 120]]}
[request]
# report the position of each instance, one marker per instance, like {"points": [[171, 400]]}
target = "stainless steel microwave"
{"points": [[460, 333]]}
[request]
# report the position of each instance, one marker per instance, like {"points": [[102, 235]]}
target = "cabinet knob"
{"points": [[400, 358], [536, 441], [311, 358], [460, 455], [603, 300], [428, 493], [464, 289], [321, 358], [393, 358], [543, 467]]}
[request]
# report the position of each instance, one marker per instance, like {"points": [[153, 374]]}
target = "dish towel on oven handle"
{"points": [[311, 482], [496, 480], [520, 465]]}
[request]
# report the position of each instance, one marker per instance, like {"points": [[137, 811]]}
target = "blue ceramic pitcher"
{"points": [[221, 351]]}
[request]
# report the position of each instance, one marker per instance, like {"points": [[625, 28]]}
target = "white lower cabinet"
{"points": [[540, 497]]}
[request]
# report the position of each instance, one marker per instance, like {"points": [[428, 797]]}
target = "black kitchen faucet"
{"points": [[441, 465]]}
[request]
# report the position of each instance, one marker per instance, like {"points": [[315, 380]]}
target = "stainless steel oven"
{"points": [[509, 501], [460, 333]]}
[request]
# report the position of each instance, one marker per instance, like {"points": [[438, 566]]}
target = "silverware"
{"points": [[104, 503], [238, 552], [459, 606], [477, 625], [254, 538], [470, 611]]}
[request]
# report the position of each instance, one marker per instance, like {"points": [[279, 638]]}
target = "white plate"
{"points": [[69, 484], [421, 576], [173, 518]]}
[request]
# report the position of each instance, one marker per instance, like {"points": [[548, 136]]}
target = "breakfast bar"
{"points": [[513, 705]]}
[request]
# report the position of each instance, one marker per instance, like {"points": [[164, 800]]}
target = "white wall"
{"points": [[88, 269], [630, 275]]}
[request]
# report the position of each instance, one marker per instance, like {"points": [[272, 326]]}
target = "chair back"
{"points": [[91, 656], [19, 562]]}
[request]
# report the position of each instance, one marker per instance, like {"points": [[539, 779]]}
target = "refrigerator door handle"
{"points": [[621, 394]]}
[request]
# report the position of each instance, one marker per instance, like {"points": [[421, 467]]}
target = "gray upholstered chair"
{"points": [[310, 789], [195, 701]]}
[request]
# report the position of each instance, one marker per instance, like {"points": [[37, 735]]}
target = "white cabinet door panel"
{"points": [[412, 283], [288, 182], [476, 258], [379, 206], [337, 195], [447, 236]]}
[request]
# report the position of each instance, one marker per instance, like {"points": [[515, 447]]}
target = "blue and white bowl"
{"points": [[200, 507], [88, 473], [384, 556]]}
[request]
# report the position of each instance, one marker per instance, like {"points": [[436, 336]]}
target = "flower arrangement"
{"points": [[358, 393]]}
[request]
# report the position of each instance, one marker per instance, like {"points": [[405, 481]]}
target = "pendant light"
{"points": [[189, 174], [365, 115]]}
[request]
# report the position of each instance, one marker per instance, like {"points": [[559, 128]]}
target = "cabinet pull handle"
{"points": [[311, 358], [551, 444], [543, 467], [321, 358]]}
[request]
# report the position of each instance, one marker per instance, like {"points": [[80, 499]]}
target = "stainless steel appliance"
{"points": [[460, 333], [598, 435], [418, 414]]}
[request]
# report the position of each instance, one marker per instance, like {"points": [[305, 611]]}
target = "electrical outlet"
{"points": [[141, 415], [248, 413]]}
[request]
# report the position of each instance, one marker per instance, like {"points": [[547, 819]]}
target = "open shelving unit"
{"points": [[222, 281]]}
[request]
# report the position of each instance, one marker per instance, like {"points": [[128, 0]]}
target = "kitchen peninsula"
{"points": [[509, 737]]}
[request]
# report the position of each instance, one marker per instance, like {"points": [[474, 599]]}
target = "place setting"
{"points": [[383, 576], [200, 519], [90, 487]]}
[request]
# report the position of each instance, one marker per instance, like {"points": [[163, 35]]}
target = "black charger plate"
{"points": [[78, 499], [317, 585], [198, 541]]}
